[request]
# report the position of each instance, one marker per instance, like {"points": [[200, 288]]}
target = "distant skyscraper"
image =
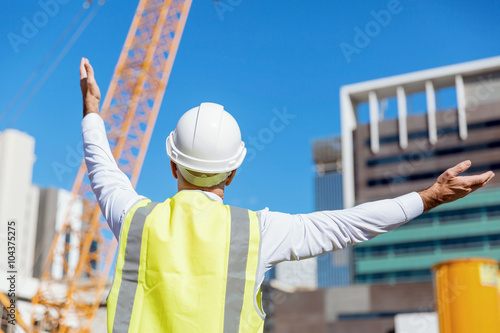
{"points": [[333, 268], [18, 201], [398, 135]]}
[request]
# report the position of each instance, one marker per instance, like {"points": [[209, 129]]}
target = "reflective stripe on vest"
{"points": [[238, 249], [130, 271], [147, 294]]}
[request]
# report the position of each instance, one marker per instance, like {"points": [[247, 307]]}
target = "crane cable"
{"points": [[54, 64]]}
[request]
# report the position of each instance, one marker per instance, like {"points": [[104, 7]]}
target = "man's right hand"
{"points": [[90, 90], [450, 187]]}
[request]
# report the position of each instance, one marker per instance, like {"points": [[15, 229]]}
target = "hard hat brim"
{"points": [[203, 165]]}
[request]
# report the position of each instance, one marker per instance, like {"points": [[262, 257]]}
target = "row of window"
{"points": [[441, 131], [397, 178], [457, 215], [411, 156], [395, 277], [462, 243]]}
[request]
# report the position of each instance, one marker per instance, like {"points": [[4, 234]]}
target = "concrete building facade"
{"points": [[389, 157], [440, 117], [38, 213], [353, 309], [18, 201], [55, 205]]}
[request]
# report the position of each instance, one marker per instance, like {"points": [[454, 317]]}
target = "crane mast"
{"points": [[129, 110]]}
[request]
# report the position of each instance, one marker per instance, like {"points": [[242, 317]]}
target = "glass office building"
{"points": [[469, 227], [334, 269]]}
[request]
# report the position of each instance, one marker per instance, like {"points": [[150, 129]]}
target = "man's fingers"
{"points": [[90, 71], [459, 168], [477, 186], [86, 70], [83, 71], [481, 179], [484, 177]]}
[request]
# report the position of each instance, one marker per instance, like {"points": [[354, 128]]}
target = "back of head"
{"points": [[206, 145]]}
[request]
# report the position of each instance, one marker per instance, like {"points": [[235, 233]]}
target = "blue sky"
{"points": [[257, 58]]}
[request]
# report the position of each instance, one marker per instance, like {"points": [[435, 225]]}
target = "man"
{"points": [[193, 264]]}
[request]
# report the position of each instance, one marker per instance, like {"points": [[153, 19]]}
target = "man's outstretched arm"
{"points": [[114, 192], [292, 237]]}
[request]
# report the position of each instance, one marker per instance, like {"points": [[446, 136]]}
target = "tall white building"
{"points": [[38, 214], [18, 202], [55, 205]]}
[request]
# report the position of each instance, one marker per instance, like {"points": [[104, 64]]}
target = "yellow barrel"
{"points": [[467, 295], [498, 288]]}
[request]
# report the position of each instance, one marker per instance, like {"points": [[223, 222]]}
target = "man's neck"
{"points": [[215, 190]]}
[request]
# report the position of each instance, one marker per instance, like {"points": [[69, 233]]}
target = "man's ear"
{"points": [[230, 178], [173, 166]]}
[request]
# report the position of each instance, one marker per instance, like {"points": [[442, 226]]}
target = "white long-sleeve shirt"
{"points": [[284, 236]]}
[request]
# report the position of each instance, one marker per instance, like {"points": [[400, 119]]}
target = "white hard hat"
{"points": [[207, 139]]}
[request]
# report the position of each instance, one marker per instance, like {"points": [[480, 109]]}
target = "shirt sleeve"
{"points": [[112, 188], [301, 236]]}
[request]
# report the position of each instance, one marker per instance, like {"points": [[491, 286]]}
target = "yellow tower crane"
{"points": [[68, 303]]}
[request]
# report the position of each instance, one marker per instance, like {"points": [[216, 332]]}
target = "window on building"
{"points": [[423, 220], [371, 251], [379, 251], [462, 243], [378, 277], [493, 212], [414, 248], [460, 215], [494, 240], [399, 276], [417, 275], [361, 252]]}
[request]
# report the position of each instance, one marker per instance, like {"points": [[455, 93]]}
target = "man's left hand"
{"points": [[450, 186], [90, 90]]}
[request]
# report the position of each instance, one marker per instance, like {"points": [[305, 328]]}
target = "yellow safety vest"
{"points": [[188, 264]]}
